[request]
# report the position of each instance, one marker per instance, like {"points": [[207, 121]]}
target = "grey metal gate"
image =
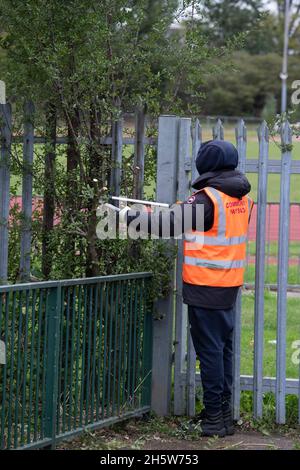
{"points": [[178, 142]]}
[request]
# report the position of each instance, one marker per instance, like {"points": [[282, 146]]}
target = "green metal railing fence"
{"points": [[78, 355]]}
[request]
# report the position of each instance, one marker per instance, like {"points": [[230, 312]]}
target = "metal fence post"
{"points": [[163, 325], [27, 191], [139, 154], [282, 273], [241, 142], [5, 146], [263, 137], [117, 153], [191, 353], [196, 142], [183, 178], [53, 313], [147, 355], [218, 130]]}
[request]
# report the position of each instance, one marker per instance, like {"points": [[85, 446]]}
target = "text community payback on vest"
{"points": [[237, 207]]}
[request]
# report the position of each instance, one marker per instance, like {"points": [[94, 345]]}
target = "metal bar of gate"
{"points": [[241, 142], [282, 276], [263, 136]]}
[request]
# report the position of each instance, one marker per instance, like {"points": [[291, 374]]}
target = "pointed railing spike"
{"points": [[286, 132], [263, 131], [241, 144], [218, 130], [196, 131]]}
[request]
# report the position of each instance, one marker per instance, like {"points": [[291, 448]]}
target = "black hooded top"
{"points": [[216, 162]]}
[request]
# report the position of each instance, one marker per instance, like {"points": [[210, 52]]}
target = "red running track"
{"points": [[272, 223]]}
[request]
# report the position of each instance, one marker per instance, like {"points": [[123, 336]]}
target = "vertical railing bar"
{"points": [[54, 315], [282, 274], [1, 307], [120, 347], [83, 354], [5, 153], [129, 347], [115, 346], [299, 394], [110, 347], [125, 355], [196, 143], [32, 345], [218, 130], [65, 345], [241, 141], [107, 288], [133, 385], [37, 379], [269, 206], [263, 136], [25, 354], [139, 154], [88, 391], [94, 355], [28, 144], [12, 374], [18, 370], [80, 291], [73, 316], [117, 150], [139, 332], [191, 370], [60, 366], [45, 358], [180, 343], [3, 407], [147, 352], [100, 356], [4, 372]]}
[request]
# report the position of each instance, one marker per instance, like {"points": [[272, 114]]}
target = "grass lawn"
{"points": [[271, 265], [247, 340], [271, 274]]}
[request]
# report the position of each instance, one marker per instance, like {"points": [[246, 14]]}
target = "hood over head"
{"points": [[216, 155], [231, 182], [216, 163]]}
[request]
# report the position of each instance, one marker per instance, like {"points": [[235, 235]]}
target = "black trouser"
{"points": [[212, 334]]}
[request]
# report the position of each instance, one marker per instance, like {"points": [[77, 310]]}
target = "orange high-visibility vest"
{"points": [[217, 257]]}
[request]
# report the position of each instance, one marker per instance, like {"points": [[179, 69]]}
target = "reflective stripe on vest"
{"points": [[216, 264], [217, 257]]}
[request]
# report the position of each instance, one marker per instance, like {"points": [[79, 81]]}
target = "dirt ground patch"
{"points": [[176, 434], [241, 441]]}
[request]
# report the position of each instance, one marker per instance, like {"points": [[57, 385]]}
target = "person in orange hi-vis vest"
{"points": [[213, 271]]}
